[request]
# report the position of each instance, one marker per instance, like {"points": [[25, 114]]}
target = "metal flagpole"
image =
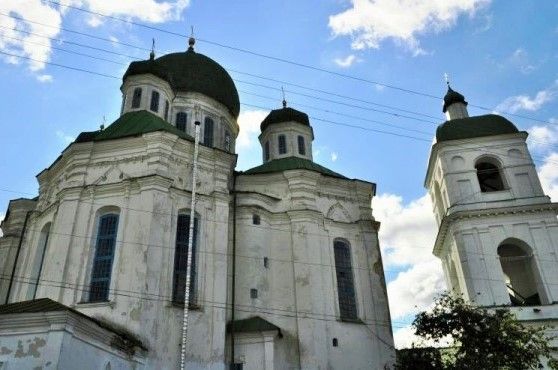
{"points": [[190, 240]]}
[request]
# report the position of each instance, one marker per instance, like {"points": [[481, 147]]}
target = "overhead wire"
{"points": [[278, 59]]}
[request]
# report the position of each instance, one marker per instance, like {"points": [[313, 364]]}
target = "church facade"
{"points": [[498, 231], [286, 265]]}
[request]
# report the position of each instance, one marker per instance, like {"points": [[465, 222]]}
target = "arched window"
{"points": [[301, 146], [154, 101], [181, 119], [136, 99], [282, 144], [38, 261], [208, 131], [166, 110], [345, 284], [519, 269], [181, 257], [104, 256], [488, 173], [266, 151]]}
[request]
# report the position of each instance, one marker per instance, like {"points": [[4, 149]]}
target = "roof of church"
{"points": [[285, 114], [48, 305], [252, 324], [291, 163], [451, 97], [132, 124], [191, 71], [477, 126]]}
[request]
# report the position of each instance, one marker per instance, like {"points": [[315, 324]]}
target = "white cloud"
{"points": [[1, 219], [548, 174], [370, 22], [67, 139], [542, 137], [346, 62], [516, 103], [414, 289], [44, 78], [28, 11], [405, 336], [249, 122], [408, 231], [407, 235], [334, 156]]}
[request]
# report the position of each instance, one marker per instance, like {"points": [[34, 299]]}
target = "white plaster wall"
{"points": [[147, 179], [298, 291]]}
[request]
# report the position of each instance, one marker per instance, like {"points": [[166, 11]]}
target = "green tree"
{"points": [[482, 339]]}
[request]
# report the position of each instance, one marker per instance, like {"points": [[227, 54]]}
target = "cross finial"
{"points": [[446, 77], [284, 99], [103, 124], [152, 54], [191, 40]]}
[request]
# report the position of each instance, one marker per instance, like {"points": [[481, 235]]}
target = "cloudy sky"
{"points": [[372, 86]]}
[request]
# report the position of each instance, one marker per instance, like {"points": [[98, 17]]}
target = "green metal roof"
{"points": [[477, 126], [132, 124], [291, 163], [191, 71], [252, 324], [285, 114]]}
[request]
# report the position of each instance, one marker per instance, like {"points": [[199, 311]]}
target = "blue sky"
{"points": [[501, 55]]}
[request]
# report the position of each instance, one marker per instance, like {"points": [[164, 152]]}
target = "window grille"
{"points": [[136, 99], [282, 144], [104, 256], [301, 146], [166, 110], [154, 101], [345, 284], [181, 119], [208, 132], [180, 260], [266, 151], [489, 177]]}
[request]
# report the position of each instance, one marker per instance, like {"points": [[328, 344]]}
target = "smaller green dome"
{"points": [[285, 114], [451, 97], [477, 126]]}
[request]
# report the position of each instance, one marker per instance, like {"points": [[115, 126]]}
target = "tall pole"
{"points": [[190, 240]]}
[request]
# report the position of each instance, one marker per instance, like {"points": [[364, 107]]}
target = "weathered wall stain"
{"points": [[33, 348]]}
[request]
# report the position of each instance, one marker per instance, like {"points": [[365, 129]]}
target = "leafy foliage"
{"points": [[483, 339]]}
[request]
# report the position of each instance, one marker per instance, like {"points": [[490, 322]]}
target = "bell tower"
{"points": [[498, 231]]}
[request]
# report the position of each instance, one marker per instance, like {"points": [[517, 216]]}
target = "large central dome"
{"points": [[191, 71]]}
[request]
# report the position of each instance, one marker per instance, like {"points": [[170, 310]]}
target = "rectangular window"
{"points": [[181, 118], [301, 146], [208, 132], [227, 141], [181, 257], [166, 110], [345, 284], [104, 256], [136, 99], [282, 144], [266, 151], [154, 101]]}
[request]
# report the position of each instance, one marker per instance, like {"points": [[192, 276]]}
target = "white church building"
{"points": [[286, 269], [498, 231]]}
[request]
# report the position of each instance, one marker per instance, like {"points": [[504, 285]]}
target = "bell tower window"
{"points": [[489, 175], [266, 151], [208, 132], [301, 146]]}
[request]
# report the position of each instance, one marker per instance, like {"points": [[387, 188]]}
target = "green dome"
{"points": [[191, 71], [471, 127], [284, 115], [452, 97]]}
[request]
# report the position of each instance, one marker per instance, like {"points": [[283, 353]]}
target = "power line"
{"points": [[282, 60]]}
